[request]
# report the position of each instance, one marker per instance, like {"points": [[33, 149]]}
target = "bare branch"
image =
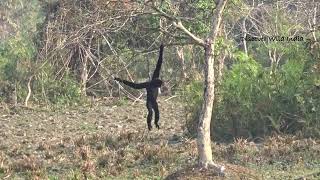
{"points": [[166, 45], [217, 21], [178, 24]]}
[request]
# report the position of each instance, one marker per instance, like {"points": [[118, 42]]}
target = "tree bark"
{"points": [[180, 53], [84, 75], [204, 139], [244, 36], [204, 142], [15, 95], [220, 69], [29, 91]]}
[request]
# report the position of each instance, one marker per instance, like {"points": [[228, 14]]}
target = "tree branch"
{"points": [[153, 50], [217, 21], [178, 24]]}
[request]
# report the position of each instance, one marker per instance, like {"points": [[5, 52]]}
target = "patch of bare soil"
{"points": [[232, 172]]}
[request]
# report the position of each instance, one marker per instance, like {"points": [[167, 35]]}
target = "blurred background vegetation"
{"points": [[60, 52]]}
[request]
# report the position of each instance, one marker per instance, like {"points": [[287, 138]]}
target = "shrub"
{"points": [[255, 101]]}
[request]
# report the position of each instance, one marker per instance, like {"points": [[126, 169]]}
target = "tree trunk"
{"points": [[180, 52], [244, 36], [220, 69], [84, 75], [29, 91], [15, 95], [204, 139]]}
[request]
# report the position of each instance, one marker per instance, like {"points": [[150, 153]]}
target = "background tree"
{"points": [[204, 140]]}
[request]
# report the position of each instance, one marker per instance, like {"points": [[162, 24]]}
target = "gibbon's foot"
{"points": [[149, 127], [157, 125]]}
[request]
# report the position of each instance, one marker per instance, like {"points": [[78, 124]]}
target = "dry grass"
{"points": [[43, 144]]}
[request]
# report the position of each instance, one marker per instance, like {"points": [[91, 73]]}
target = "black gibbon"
{"points": [[152, 88]]}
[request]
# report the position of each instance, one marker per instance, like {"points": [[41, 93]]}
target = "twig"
{"points": [[128, 94], [29, 91], [178, 24], [308, 175], [170, 98], [141, 94]]}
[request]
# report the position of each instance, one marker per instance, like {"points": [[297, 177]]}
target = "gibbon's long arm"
{"points": [[156, 72], [152, 91], [133, 85]]}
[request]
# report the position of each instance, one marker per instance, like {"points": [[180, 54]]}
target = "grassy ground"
{"points": [[109, 140]]}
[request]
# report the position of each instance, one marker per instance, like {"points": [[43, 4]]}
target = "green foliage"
{"points": [[193, 93], [16, 55], [192, 96], [65, 91], [15, 62], [243, 75], [256, 101], [17, 52]]}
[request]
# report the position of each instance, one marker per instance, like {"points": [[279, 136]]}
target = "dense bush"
{"points": [[192, 96], [63, 91], [256, 101], [18, 59]]}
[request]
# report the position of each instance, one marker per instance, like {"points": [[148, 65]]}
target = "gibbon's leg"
{"points": [[133, 85], [156, 72], [156, 113], [149, 117]]}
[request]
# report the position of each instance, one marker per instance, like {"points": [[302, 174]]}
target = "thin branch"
{"points": [[172, 35], [170, 98], [166, 45], [29, 91], [313, 174], [178, 24]]}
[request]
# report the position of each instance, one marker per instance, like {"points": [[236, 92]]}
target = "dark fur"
{"points": [[152, 88]]}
